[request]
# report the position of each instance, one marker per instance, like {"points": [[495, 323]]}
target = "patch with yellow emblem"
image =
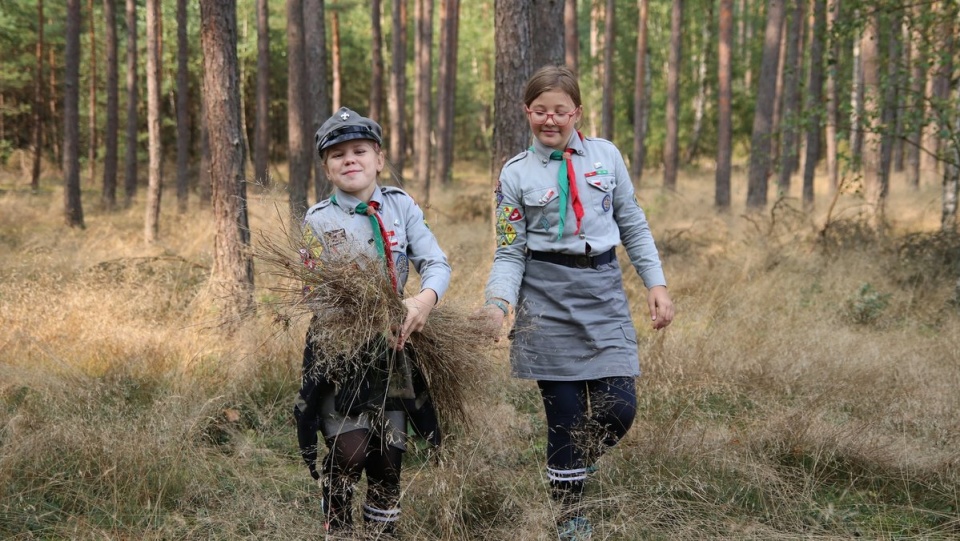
{"points": [[506, 233]]}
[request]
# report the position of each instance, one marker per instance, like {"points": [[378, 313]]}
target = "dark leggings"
{"points": [[351, 454], [584, 419]]}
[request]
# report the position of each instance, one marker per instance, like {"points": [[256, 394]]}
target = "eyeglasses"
{"points": [[559, 119]]}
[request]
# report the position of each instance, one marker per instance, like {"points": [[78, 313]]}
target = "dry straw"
{"points": [[350, 302]]}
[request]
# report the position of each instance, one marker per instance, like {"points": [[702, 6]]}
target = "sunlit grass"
{"points": [[786, 401]]}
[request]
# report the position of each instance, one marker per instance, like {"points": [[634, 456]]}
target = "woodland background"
{"points": [[798, 162]]}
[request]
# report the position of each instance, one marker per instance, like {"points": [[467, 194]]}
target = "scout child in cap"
{"points": [[563, 206], [363, 426]]}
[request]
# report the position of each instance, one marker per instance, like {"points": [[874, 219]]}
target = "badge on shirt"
{"points": [[515, 216], [402, 264], [506, 234], [547, 196], [335, 238], [606, 203]]}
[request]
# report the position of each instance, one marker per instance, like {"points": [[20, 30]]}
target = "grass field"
{"points": [[808, 388]]}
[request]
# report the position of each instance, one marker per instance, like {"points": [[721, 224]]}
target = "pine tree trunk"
{"points": [[724, 99], [791, 93], [671, 139], [318, 98], [606, 121], [37, 104], [110, 142], [571, 36], [511, 132], [92, 117], [232, 273], [298, 148], [703, 88], [870, 161], [759, 167], [335, 57], [73, 209], [130, 161], [423, 102], [376, 62], [447, 87], [830, 135], [814, 97], [398, 85], [889, 103], [261, 137], [918, 74], [183, 104], [151, 224], [640, 92]]}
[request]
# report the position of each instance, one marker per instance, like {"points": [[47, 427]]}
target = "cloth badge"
{"points": [[515, 216], [402, 264], [544, 223], [606, 203], [392, 238], [336, 237], [547, 195], [596, 183], [590, 174], [506, 234]]}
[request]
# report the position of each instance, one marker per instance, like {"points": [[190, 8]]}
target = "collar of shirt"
{"points": [[543, 152], [348, 203]]}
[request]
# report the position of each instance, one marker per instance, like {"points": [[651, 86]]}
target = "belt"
{"points": [[575, 261]]}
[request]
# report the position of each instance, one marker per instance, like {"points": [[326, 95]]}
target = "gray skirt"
{"points": [[573, 324]]}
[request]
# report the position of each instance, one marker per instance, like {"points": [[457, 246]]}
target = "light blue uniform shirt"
{"points": [[528, 212], [342, 233]]}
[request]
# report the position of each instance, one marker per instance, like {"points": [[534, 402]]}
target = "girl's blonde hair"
{"points": [[550, 78]]}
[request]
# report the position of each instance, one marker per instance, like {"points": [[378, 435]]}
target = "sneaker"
{"points": [[575, 529]]}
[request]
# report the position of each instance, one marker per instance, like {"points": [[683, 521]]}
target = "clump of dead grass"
{"points": [[350, 302]]}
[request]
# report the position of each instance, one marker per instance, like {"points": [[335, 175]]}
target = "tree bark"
{"points": [[606, 122], [37, 103], [511, 132], [759, 168], [724, 99], [376, 62], [130, 161], [671, 139], [398, 85], [703, 88], [232, 272], [447, 87], [298, 148], [92, 115], [335, 57], [183, 105], [571, 36], [856, 99], [548, 47], [110, 143], [791, 92], [814, 97], [939, 90], [73, 209], [151, 225], [318, 98], [917, 84], [830, 135], [261, 137], [423, 102], [640, 93], [889, 101], [870, 161]]}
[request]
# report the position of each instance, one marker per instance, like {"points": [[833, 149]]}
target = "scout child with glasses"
{"points": [[563, 206], [362, 421]]}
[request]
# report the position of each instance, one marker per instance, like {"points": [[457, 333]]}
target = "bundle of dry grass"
{"points": [[351, 303]]}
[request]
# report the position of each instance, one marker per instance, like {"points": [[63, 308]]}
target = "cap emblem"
{"points": [[344, 116]]}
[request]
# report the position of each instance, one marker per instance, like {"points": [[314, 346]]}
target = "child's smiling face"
{"points": [[353, 167]]}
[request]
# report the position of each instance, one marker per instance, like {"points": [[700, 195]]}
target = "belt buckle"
{"points": [[582, 261]]}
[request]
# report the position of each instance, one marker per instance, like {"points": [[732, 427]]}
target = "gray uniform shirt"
{"points": [[528, 212], [342, 232]]}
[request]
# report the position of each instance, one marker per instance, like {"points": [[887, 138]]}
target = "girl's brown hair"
{"points": [[550, 78]]}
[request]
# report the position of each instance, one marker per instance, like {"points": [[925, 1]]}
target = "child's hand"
{"points": [[661, 307], [491, 319], [418, 309]]}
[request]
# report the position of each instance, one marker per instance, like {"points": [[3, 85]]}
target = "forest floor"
{"points": [[808, 387]]}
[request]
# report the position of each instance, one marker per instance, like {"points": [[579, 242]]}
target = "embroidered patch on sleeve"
{"points": [[515, 216], [506, 234]]}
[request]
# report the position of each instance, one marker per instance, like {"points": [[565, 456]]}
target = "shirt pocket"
{"points": [[541, 206], [601, 192]]}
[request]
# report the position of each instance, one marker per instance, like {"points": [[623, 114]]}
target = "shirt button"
{"points": [[583, 235]]}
